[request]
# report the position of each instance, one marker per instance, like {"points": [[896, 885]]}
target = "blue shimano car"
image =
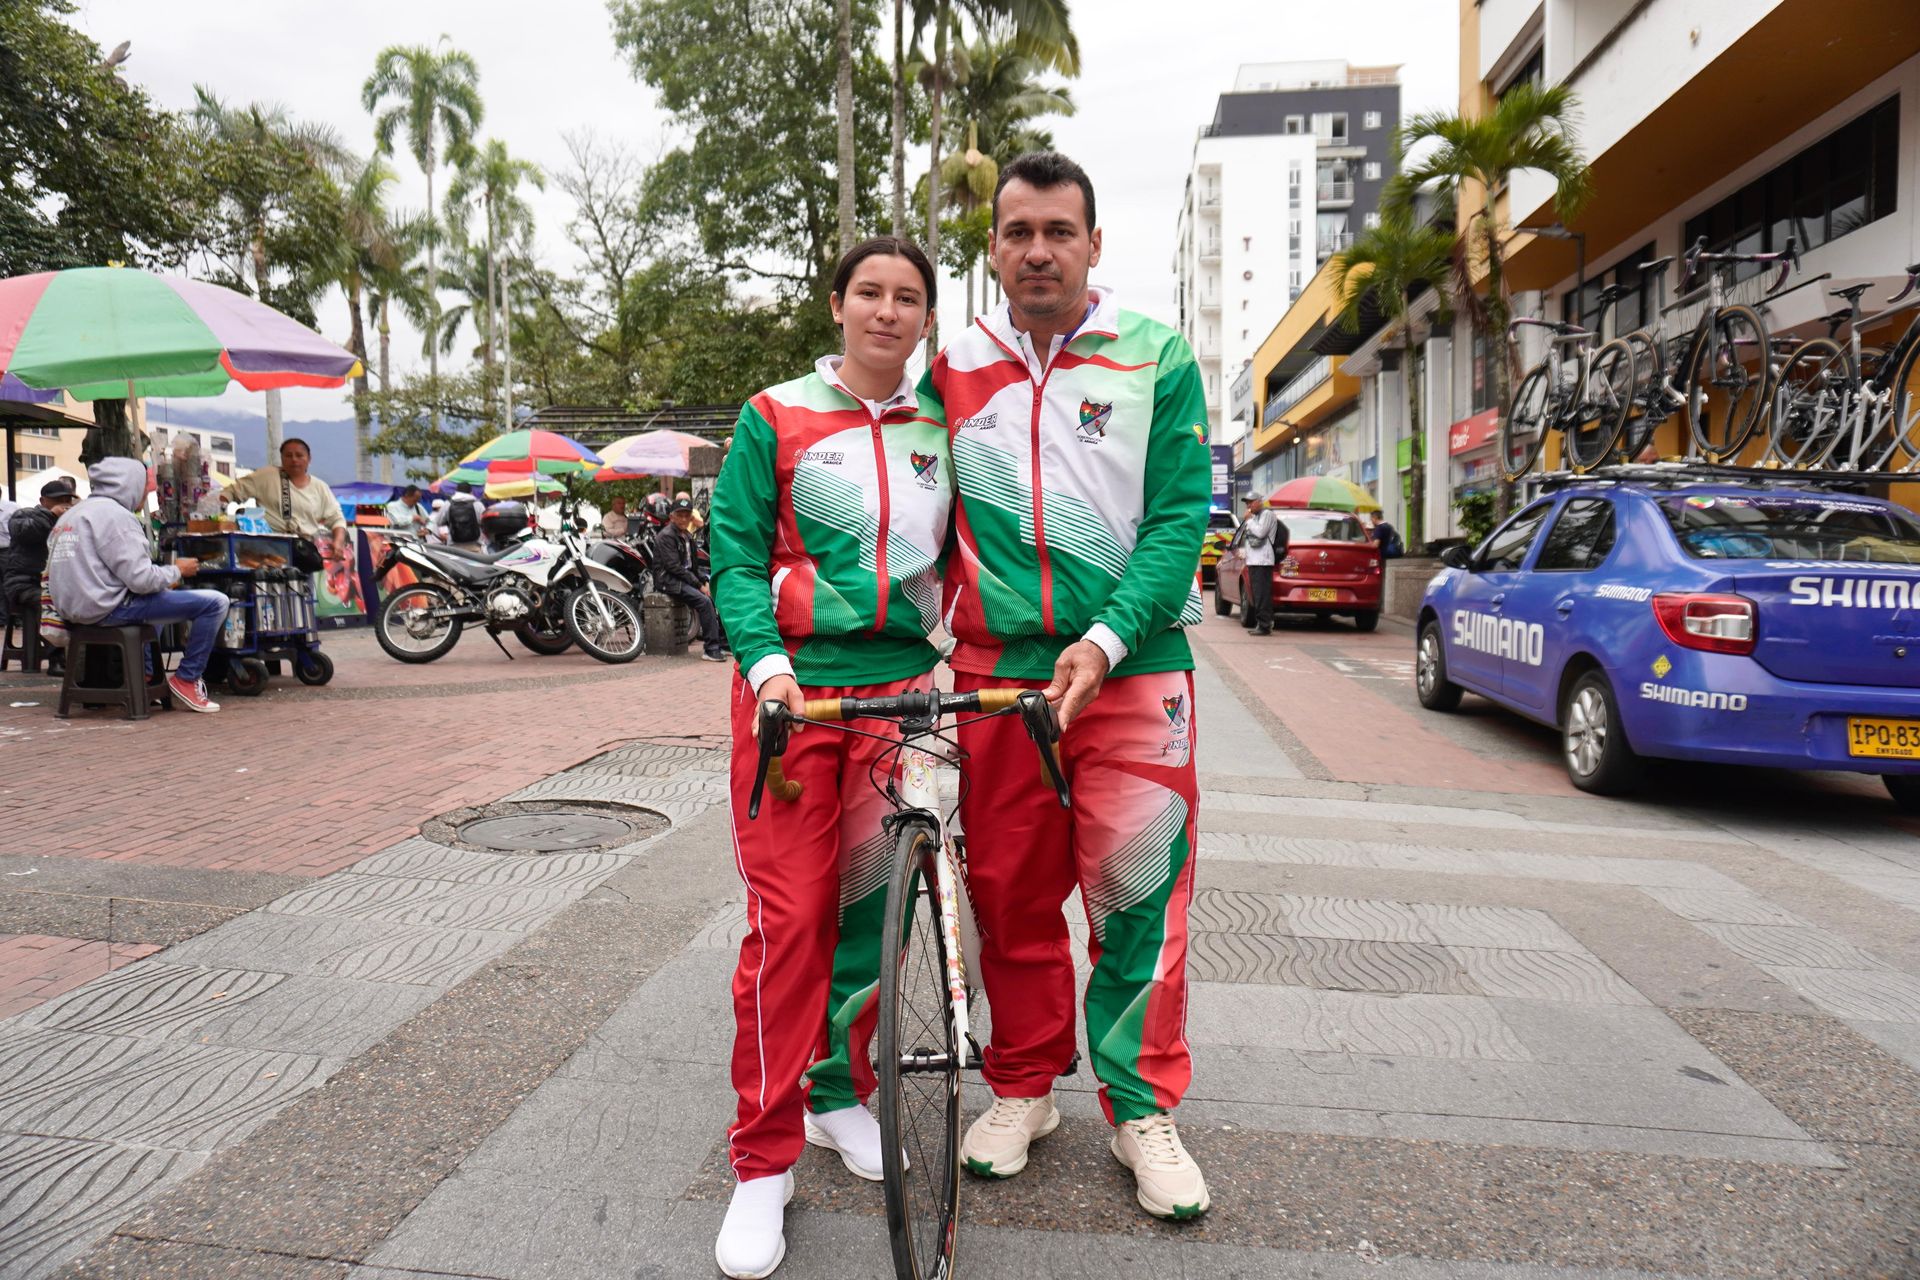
{"points": [[1691, 617]]}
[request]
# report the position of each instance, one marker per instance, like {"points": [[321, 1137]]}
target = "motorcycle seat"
{"points": [[479, 557]]}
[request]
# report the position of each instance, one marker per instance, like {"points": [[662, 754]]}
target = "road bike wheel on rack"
{"points": [[1523, 432], [1608, 397], [920, 1059], [1905, 424], [1735, 336], [1808, 418], [1648, 410]]}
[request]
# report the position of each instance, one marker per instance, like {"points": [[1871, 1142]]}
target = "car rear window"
{"points": [[1776, 526], [1306, 527], [1218, 519]]}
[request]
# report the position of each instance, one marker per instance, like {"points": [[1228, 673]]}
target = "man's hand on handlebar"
{"points": [[786, 691], [1077, 677]]}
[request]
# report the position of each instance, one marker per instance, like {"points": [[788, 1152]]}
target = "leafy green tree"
{"points": [[91, 172], [1531, 127], [750, 185], [369, 248], [434, 97], [1388, 266]]}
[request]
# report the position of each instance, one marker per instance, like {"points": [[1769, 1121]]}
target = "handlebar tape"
{"points": [[781, 785]]}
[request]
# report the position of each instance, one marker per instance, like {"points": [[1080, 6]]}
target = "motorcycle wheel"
{"points": [[544, 635], [616, 636], [407, 634]]}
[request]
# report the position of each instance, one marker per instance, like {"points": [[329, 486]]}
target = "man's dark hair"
{"points": [[1042, 170], [297, 440], [411, 491], [465, 487], [893, 247]]}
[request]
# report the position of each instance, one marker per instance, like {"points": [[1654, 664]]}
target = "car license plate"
{"points": [[1322, 595], [1883, 739]]}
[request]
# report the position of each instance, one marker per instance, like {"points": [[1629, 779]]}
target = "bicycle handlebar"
{"points": [[1913, 282], [925, 707]]}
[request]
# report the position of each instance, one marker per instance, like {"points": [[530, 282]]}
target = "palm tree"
{"points": [[899, 117], [369, 246], [1531, 127], [843, 106], [1387, 266], [1040, 28], [436, 100], [268, 143], [490, 177]]}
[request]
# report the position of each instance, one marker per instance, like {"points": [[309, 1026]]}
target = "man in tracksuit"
{"points": [[1083, 485]]}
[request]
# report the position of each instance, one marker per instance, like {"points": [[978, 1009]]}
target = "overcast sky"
{"points": [[1152, 72]]}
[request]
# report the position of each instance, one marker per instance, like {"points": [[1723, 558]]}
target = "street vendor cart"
{"points": [[270, 608]]}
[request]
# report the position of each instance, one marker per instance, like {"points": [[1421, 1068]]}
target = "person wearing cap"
{"points": [[678, 576], [25, 557]]}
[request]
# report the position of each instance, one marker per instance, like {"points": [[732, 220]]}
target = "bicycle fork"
{"points": [[919, 789]]}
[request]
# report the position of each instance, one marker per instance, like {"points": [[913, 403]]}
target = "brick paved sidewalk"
{"points": [[122, 835]]}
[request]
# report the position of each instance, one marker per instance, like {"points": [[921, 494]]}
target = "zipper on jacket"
{"points": [[1039, 518], [886, 525]]}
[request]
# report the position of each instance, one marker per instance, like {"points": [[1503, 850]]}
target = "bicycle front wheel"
{"points": [[1724, 397], [1808, 410], [920, 1059], [1524, 430], [1905, 425]]}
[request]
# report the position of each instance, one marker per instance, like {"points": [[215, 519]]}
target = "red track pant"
{"points": [[1128, 844], [816, 868]]}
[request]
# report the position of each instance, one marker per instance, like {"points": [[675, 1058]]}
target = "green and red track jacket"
{"points": [[827, 527], [1082, 493]]}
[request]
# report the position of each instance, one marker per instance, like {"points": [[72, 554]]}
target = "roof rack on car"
{"points": [[1681, 471]]}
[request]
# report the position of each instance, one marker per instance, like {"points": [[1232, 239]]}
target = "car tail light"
{"points": [[1715, 623]]}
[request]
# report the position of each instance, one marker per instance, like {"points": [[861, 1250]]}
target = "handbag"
{"points": [[306, 556]]}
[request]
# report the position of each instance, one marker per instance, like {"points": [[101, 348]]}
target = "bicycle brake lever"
{"points": [[1043, 726], [774, 719]]}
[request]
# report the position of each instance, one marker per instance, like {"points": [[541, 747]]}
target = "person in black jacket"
{"points": [[25, 558], [676, 571]]}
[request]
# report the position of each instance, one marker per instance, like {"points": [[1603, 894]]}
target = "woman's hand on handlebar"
{"points": [[783, 689]]}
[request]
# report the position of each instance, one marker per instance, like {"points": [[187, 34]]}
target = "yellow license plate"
{"points": [[1322, 595], [1883, 739]]}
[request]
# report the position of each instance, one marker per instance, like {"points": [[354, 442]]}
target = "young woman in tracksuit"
{"points": [[827, 526]]}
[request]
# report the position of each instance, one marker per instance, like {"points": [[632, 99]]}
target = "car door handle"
{"points": [[1564, 608], [1498, 597]]}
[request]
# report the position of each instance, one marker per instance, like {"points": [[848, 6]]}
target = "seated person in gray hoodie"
{"points": [[101, 574]]}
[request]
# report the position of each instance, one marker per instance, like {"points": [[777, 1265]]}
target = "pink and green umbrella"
{"points": [[108, 332], [651, 453], [1323, 493]]}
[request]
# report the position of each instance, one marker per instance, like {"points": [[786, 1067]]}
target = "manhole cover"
{"points": [[545, 832]]}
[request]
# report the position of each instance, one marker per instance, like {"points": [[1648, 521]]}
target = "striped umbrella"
{"points": [[109, 332], [501, 480], [1323, 493], [546, 452]]}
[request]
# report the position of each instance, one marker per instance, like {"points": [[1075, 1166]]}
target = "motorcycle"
{"points": [[551, 593]]}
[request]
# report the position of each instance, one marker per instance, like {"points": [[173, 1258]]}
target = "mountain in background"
{"points": [[330, 438]]}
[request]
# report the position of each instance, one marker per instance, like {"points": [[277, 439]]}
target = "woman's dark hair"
{"points": [[893, 247], [297, 440], [1044, 170]]}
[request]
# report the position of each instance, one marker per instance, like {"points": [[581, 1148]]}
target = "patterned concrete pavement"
{"points": [[1450, 1019]]}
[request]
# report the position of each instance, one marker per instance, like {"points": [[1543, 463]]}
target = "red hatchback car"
{"points": [[1331, 567]]}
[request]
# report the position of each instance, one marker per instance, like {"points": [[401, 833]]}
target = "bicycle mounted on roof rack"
{"points": [[1677, 473]]}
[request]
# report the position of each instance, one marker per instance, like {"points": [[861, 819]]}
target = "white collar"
{"points": [[1103, 319], [828, 367]]}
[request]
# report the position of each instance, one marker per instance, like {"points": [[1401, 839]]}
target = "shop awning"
{"points": [[1471, 433]]}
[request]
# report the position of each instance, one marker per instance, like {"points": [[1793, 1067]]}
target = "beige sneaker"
{"points": [[1169, 1182], [996, 1143]]}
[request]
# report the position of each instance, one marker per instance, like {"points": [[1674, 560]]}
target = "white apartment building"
{"points": [[1289, 170]]}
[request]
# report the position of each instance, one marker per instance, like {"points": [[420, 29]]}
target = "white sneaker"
{"points": [[753, 1237], [854, 1134], [996, 1143], [1168, 1181]]}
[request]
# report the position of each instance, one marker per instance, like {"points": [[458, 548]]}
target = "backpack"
{"points": [[463, 521], [1391, 548]]}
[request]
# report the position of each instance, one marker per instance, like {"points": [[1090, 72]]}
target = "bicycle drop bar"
{"points": [[921, 707]]}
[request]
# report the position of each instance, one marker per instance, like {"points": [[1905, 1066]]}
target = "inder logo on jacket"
{"points": [[1093, 419], [1177, 744], [926, 469]]}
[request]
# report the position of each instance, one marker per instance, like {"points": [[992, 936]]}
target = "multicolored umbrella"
{"points": [[501, 480], [525, 450], [651, 453], [108, 332], [1323, 493]]}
